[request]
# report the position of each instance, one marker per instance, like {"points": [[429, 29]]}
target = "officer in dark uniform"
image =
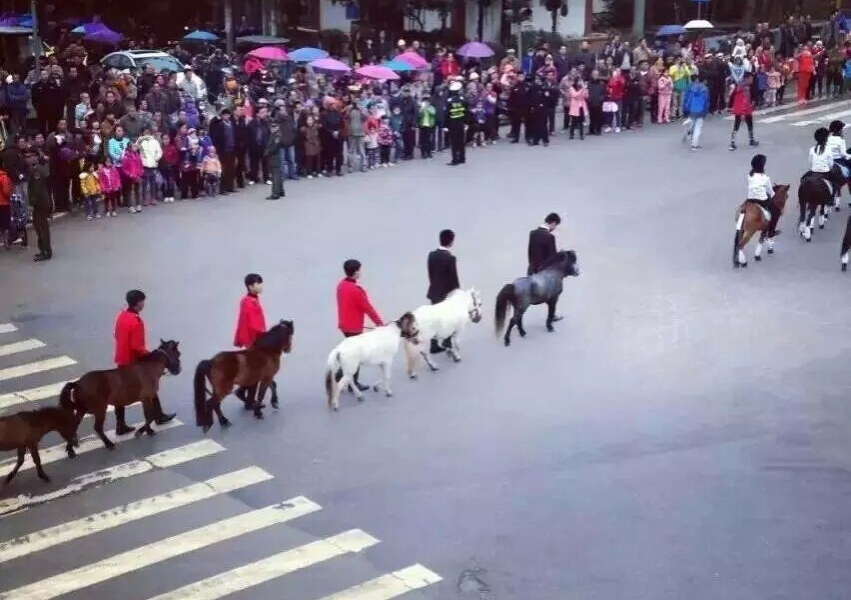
{"points": [[442, 277], [518, 106], [537, 126], [457, 115]]}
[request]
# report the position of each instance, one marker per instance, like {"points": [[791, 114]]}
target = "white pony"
{"points": [[445, 321], [375, 347]]}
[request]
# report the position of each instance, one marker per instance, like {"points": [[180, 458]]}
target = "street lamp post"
{"points": [[638, 19]]}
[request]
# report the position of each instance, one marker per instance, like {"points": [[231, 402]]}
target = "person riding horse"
{"points": [[822, 164], [761, 192], [839, 153]]}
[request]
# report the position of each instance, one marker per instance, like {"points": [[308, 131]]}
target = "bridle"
{"points": [[169, 361]]}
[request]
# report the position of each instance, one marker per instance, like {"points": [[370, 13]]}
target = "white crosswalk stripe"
{"points": [[7, 328], [161, 460], [795, 114], [22, 346], [87, 444], [36, 367], [40, 393], [389, 586], [108, 519], [155, 552], [823, 118], [270, 568]]}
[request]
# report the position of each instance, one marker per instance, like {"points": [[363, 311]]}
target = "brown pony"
{"points": [[750, 219], [23, 431], [252, 369], [121, 387]]}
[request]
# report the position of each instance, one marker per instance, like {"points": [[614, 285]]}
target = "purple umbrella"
{"points": [[379, 72], [330, 64], [474, 50], [104, 36]]}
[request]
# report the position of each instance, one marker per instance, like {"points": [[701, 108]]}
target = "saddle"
{"points": [[765, 212]]}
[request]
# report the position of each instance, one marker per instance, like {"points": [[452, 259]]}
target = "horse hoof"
{"points": [[335, 408], [150, 431], [388, 394], [507, 343], [434, 368], [361, 398], [844, 268], [821, 226], [274, 404], [757, 258], [744, 265], [205, 428], [550, 329], [224, 423], [109, 446], [412, 375], [809, 239], [522, 334], [259, 416], [124, 430], [71, 454], [44, 478], [374, 389], [457, 359], [771, 250]]}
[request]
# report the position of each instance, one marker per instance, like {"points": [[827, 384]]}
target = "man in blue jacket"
{"points": [[695, 106], [17, 97]]}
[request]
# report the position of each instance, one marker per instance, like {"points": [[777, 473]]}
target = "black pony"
{"points": [[545, 286]]}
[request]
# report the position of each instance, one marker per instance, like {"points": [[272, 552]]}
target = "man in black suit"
{"points": [[542, 245], [442, 277]]}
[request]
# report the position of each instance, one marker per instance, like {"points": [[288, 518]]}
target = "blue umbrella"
{"points": [[25, 21], [398, 66], [104, 36], [87, 28], [201, 36], [671, 30], [307, 54]]}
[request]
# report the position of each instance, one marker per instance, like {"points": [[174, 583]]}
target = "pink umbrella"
{"points": [[269, 53], [376, 72], [413, 59], [474, 50], [330, 64]]}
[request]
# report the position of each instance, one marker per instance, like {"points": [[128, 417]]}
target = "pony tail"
{"points": [[202, 419], [506, 296], [66, 396]]}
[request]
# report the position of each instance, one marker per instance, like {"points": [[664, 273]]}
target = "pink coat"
{"points": [[131, 165], [577, 105], [109, 179]]}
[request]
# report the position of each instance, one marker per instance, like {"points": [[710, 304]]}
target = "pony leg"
{"points": [[121, 426], [22, 452], [385, 372], [274, 387], [757, 255], [424, 352], [520, 329], [258, 405], [410, 360], [845, 261], [454, 348], [37, 460], [148, 411], [770, 243], [822, 216], [100, 417], [216, 406], [551, 314]]}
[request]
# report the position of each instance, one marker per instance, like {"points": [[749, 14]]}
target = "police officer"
{"points": [[537, 125], [457, 115], [518, 103]]}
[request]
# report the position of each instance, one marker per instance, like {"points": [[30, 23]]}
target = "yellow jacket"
{"points": [[89, 184]]}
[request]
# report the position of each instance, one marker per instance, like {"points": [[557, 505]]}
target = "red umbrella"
{"points": [[413, 59], [376, 72], [269, 53]]}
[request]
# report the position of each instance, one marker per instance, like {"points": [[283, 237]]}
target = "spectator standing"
{"points": [[259, 138], [17, 99], [578, 108], [47, 101], [90, 188], [211, 173], [695, 104], [223, 135], [596, 97], [150, 152], [272, 150], [289, 137], [109, 180], [38, 190]]}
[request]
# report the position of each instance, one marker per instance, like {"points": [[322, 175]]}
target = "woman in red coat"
{"points": [[450, 67], [806, 66], [743, 110]]}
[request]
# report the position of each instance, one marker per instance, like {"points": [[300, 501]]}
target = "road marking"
{"points": [[389, 586], [7, 328], [87, 444], [114, 517], [155, 552], [22, 346], [36, 367], [803, 113], [792, 106], [161, 460], [272, 567], [823, 118], [24, 396]]}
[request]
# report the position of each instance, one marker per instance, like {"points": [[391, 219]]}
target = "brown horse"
{"points": [[252, 369], [23, 431], [121, 387], [750, 220]]}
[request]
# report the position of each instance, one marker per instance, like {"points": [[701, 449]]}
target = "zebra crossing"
{"points": [[30, 360], [819, 112]]}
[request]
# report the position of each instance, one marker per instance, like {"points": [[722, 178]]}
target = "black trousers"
{"points": [[228, 164], [517, 119], [357, 373], [577, 123], [457, 143], [551, 120], [258, 168], [426, 141], [408, 142], [716, 98], [595, 119], [537, 127], [240, 167], [41, 225], [332, 154]]}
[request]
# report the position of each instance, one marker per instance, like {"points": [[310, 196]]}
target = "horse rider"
{"points": [[839, 153], [251, 321], [542, 245], [353, 306], [442, 278], [761, 191], [457, 116], [129, 347], [821, 161]]}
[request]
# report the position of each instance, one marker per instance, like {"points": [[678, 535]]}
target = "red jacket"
{"points": [[129, 338], [251, 321], [616, 88], [742, 105], [352, 305]]}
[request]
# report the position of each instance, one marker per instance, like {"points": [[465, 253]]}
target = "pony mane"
{"points": [[275, 337], [554, 260]]}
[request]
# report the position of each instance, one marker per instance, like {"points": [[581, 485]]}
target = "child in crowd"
{"points": [[371, 140], [169, 165], [131, 174], [427, 119], [385, 140], [90, 188], [190, 163], [773, 86], [760, 85], [211, 172], [396, 127], [665, 87], [479, 119], [109, 180], [312, 147]]}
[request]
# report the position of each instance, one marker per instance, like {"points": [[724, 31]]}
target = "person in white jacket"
{"points": [[191, 84], [151, 152]]}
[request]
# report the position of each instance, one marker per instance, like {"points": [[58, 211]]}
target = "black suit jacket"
{"points": [[442, 275], [542, 245]]}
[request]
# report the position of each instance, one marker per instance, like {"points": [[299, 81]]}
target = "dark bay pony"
{"points": [[544, 287], [24, 430], [814, 198], [846, 246], [750, 220], [253, 369], [123, 386]]}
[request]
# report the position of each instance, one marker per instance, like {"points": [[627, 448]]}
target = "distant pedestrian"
{"points": [[442, 277], [38, 191], [695, 106]]}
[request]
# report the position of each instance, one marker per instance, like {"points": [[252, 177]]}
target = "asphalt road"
{"points": [[683, 434]]}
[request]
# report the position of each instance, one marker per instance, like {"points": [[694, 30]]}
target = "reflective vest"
{"points": [[457, 110]]}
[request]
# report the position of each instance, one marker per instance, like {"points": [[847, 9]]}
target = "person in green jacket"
{"points": [[427, 119]]}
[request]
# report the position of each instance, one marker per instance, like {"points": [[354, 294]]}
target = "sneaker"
{"points": [[754, 143], [732, 146], [617, 129], [607, 129], [90, 218], [310, 176], [132, 209], [268, 182], [114, 214], [251, 182], [108, 214], [98, 216], [138, 209]]}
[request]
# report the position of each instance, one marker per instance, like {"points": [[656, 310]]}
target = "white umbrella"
{"points": [[699, 24]]}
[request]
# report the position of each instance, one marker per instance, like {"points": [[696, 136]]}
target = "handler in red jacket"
{"points": [[353, 305], [250, 323], [130, 347]]}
